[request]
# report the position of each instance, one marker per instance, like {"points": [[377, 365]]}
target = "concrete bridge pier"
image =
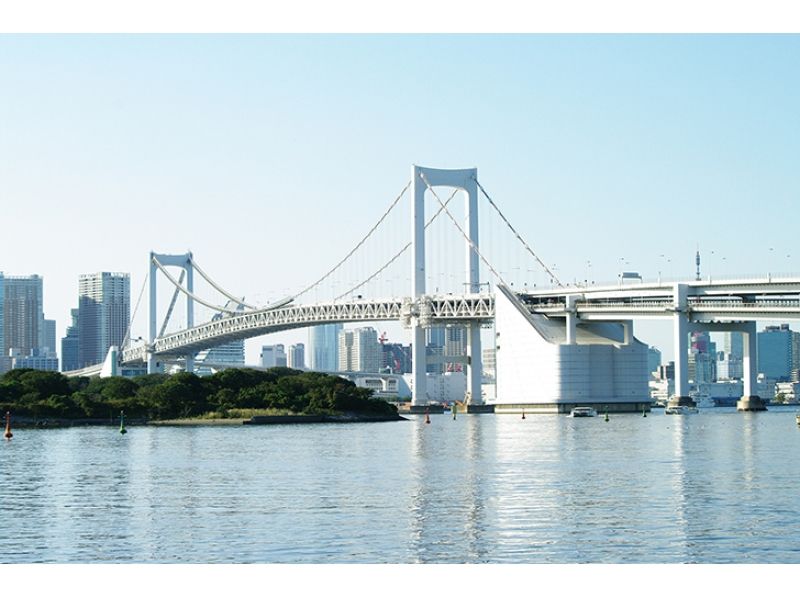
{"points": [[750, 401], [680, 330]]}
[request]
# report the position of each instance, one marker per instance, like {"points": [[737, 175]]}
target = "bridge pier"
{"points": [[750, 401], [680, 331]]}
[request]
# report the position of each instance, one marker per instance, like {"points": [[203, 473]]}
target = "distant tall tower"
{"points": [[697, 262], [22, 318], [103, 314]]}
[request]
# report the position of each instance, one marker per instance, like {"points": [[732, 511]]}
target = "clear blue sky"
{"points": [[269, 155]]}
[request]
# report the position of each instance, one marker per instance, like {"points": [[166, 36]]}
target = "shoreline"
{"points": [[26, 423]]}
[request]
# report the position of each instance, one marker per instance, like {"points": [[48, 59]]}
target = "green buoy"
{"points": [[122, 429]]}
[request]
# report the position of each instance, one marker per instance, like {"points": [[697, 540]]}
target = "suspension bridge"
{"points": [[732, 305]]}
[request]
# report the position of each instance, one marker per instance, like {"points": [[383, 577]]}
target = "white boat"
{"points": [[702, 399], [797, 418], [582, 412], [679, 410]]}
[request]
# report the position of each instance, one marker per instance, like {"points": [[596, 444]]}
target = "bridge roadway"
{"points": [[705, 301], [446, 309]]}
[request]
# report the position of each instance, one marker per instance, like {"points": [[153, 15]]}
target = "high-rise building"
{"points": [[103, 314], [296, 356], [3, 366], [359, 350], [70, 345], [702, 358], [273, 356], [653, 359], [775, 353], [47, 336], [22, 316], [323, 347]]}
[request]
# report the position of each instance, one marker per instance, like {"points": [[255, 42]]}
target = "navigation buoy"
{"points": [[427, 416], [122, 429], [606, 415], [644, 411], [523, 414], [8, 433], [455, 408]]}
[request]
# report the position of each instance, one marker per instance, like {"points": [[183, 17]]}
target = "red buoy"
{"points": [[8, 433], [523, 414], [427, 416]]}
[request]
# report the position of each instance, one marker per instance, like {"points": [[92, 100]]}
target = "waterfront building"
{"points": [[22, 316], [296, 356], [446, 388], [653, 359], [359, 350], [272, 356], [103, 314], [36, 360], [70, 345], [228, 355], [323, 347], [543, 368], [775, 353]]}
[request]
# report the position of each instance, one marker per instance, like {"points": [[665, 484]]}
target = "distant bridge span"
{"points": [[448, 309]]}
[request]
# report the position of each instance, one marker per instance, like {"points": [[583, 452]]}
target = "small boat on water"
{"points": [[797, 418], [583, 412], [702, 399], [679, 410]]}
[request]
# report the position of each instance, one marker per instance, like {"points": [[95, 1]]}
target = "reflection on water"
{"points": [[719, 486]]}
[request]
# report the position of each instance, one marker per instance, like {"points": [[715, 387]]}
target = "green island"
{"points": [[49, 398]]}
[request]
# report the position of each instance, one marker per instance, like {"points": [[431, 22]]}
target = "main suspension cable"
{"points": [[238, 300], [358, 245], [521, 240], [188, 293]]}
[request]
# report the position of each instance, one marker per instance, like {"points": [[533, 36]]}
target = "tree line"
{"points": [[42, 395]]}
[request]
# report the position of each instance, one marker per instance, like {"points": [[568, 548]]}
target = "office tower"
{"points": [[3, 367], [103, 314], [775, 353], [47, 336], [272, 356], [323, 347], [296, 356], [359, 350], [21, 315], [653, 359], [70, 345]]}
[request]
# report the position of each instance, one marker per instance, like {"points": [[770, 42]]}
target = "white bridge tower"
{"points": [[466, 180]]}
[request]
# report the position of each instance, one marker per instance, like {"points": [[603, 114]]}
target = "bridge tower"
{"points": [[466, 180], [183, 261]]}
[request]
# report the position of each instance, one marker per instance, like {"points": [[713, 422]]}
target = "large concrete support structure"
{"points": [[181, 261], [466, 180]]}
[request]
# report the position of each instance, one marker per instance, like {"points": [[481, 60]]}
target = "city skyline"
{"points": [[204, 143]]}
